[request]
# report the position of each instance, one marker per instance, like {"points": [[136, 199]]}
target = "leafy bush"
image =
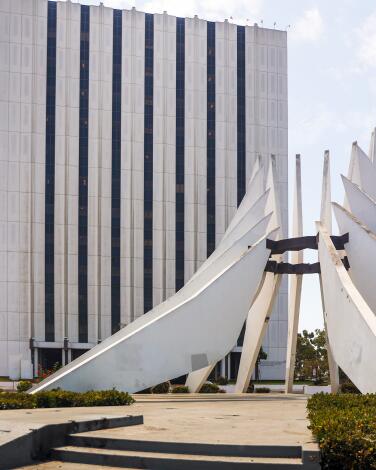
{"points": [[209, 388], [164, 387], [180, 389], [348, 387], [345, 428], [24, 385], [251, 388], [62, 398], [44, 373], [16, 401], [262, 390], [221, 380]]}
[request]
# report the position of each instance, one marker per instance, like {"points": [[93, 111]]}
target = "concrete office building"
{"points": [[126, 143]]}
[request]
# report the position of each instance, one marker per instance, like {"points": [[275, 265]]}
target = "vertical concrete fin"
{"points": [[372, 147], [295, 282], [257, 322], [326, 221], [326, 208]]}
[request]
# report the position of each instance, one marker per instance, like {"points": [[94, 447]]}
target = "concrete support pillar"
{"points": [[257, 322], [326, 221], [295, 283]]}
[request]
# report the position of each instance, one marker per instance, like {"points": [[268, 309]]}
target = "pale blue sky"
{"points": [[332, 88]]}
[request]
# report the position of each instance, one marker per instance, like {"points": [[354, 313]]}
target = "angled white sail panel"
{"points": [[360, 204], [178, 341], [273, 200], [361, 252], [250, 219], [351, 323], [372, 147], [255, 189], [221, 258], [362, 171]]}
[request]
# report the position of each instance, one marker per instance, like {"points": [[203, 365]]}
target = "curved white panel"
{"points": [[215, 264], [362, 171], [199, 331], [361, 251], [351, 323], [361, 205], [255, 190]]}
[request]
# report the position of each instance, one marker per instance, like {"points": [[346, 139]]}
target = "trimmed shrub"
{"points": [[209, 388], [262, 390], [180, 389], [16, 401], [221, 380], [164, 387], [24, 385], [348, 387], [62, 399], [251, 388], [345, 428]]}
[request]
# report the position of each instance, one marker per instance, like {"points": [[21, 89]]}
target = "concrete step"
{"points": [[193, 448], [169, 461]]}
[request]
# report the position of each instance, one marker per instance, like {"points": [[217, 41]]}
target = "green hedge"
{"points": [[24, 385], [210, 388], [62, 399], [180, 389], [163, 387], [345, 428]]}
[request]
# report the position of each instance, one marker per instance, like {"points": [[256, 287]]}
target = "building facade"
{"points": [[126, 143]]}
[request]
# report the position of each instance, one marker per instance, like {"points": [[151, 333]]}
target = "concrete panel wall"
{"points": [[23, 50]]}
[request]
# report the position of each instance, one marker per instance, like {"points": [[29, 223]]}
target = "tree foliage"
{"points": [[311, 361]]}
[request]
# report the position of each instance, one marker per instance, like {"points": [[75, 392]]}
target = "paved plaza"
{"points": [[270, 419]]}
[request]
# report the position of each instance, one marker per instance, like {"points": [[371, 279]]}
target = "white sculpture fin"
{"points": [[351, 323]]}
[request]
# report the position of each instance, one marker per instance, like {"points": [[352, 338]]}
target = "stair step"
{"points": [[229, 450], [168, 461]]}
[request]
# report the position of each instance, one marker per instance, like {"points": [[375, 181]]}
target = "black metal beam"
{"points": [[288, 268], [300, 268], [278, 247]]}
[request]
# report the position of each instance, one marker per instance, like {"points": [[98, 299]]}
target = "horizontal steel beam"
{"points": [[278, 247], [300, 268]]}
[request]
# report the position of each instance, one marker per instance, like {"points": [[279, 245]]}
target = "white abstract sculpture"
{"points": [[199, 325], [166, 342]]}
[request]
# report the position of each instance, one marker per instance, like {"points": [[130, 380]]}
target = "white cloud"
{"points": [[367, 38], [309, 27]]}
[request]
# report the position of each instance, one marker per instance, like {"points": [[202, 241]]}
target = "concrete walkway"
{"points": [[270, 419], [251, 419]]}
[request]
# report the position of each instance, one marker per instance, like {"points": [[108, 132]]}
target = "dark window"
{"points": [[148, 163], [240, 112], [116, 171], [83, 175], [50, 175], [49, 358], [180, 112], [210, 178]]}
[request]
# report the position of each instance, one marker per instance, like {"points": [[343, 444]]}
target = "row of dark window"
{"points": [[240, 113], [179, 177], [50, 175], [83, 174], [148, 162], [116, 173], [210, 178], [148, 157]]}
